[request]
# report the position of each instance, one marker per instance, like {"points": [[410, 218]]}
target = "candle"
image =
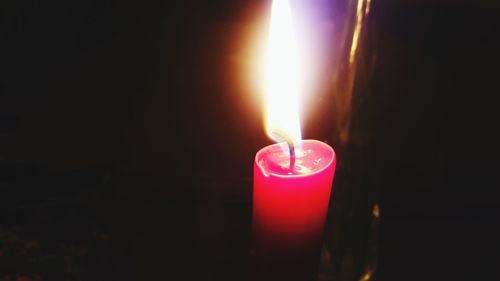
{"points": [[289, 209], [293, 178]]}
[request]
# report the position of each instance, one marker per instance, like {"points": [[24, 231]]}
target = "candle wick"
{"points": [[291, 147]]}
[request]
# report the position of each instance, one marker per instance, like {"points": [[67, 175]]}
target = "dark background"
{"points": [[127, 139]]}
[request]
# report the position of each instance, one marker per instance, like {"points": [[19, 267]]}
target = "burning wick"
{"points": [[291, 147]]}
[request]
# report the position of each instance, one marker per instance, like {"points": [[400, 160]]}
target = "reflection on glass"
{"points": [[351, 238]]}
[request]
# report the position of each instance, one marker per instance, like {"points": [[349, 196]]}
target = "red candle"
{"points": [[289, 209], [292, 180]]}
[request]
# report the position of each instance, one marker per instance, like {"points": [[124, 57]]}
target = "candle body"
{"points": [[289, 210]]}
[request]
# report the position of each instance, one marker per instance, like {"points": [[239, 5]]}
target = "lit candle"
{"points": [[293, 178]]}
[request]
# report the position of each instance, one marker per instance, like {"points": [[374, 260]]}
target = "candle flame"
{"points": [[282, 77]]}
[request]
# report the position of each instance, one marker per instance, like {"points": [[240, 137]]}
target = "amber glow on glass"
{"points": [[366, 277], [376, 211], [367, 7], [357, 29]]}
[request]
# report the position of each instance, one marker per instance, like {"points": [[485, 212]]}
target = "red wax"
{"points": [[289, 209]]}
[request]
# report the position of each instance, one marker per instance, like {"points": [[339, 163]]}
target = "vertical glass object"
{"points": [[351, 233]]}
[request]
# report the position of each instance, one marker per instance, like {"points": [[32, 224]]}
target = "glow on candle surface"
{"points": [[290, 201]]}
